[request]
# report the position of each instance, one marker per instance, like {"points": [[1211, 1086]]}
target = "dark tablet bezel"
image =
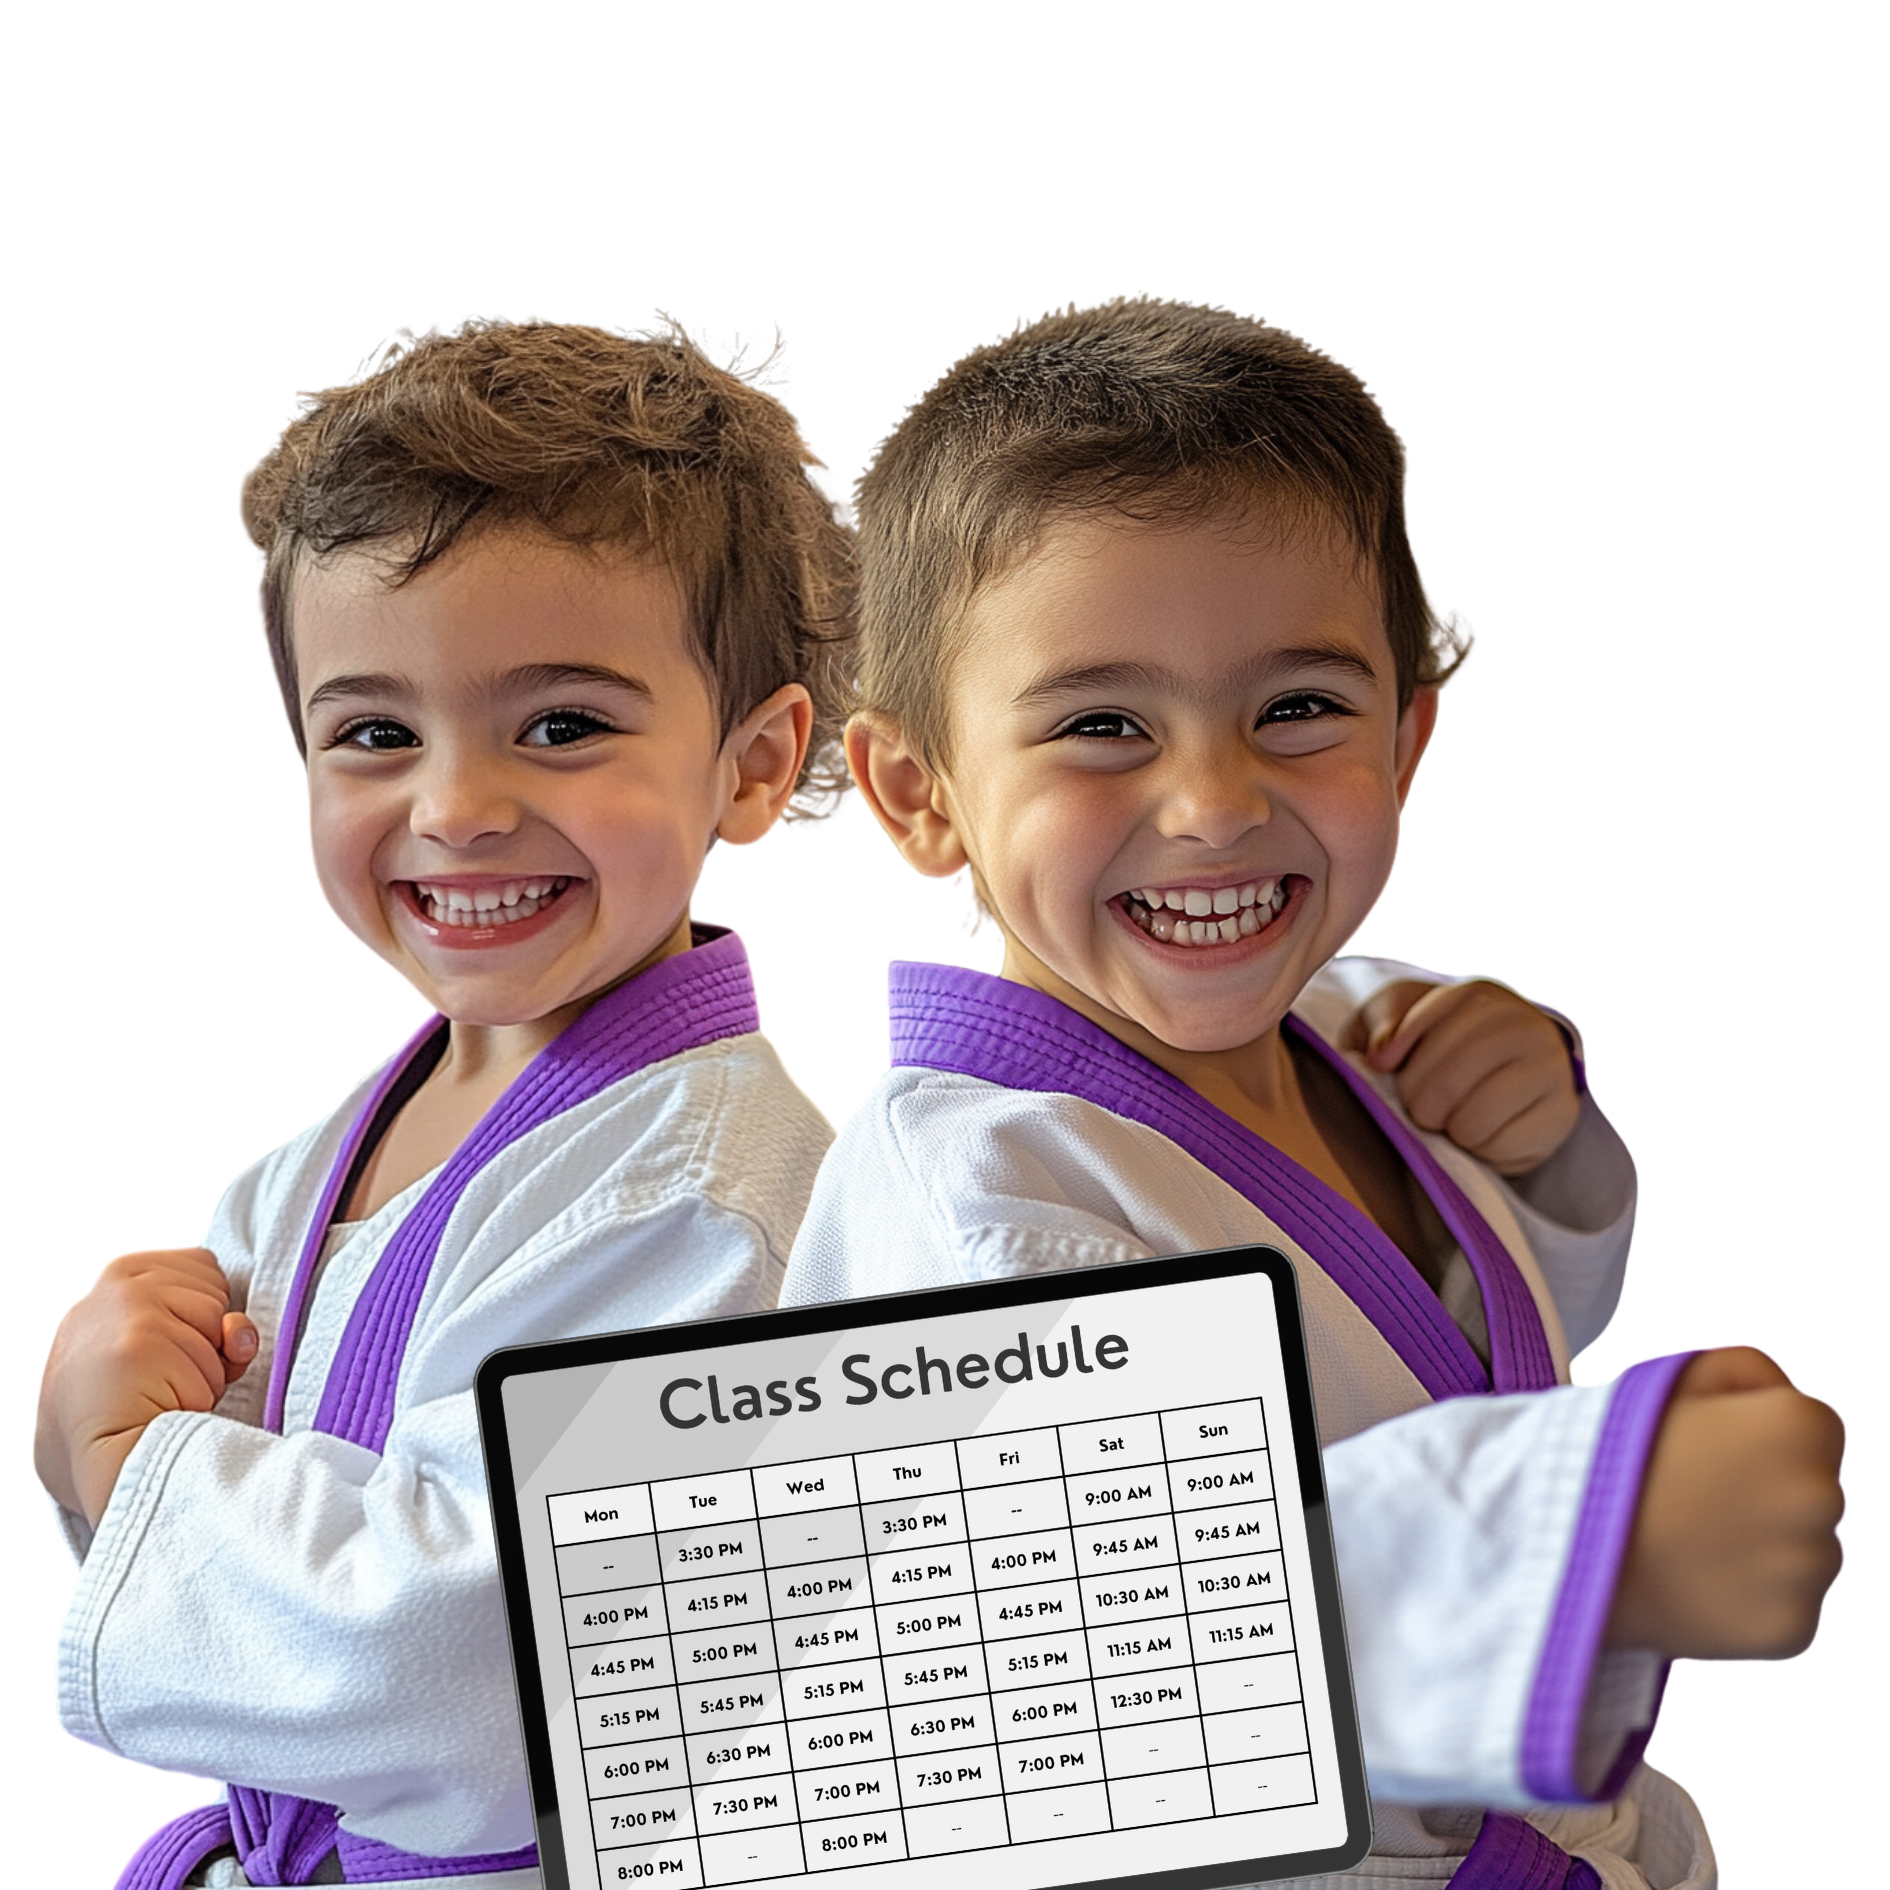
{"points": [[858, 1315]]}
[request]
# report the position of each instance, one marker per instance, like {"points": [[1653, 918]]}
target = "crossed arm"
{"points": [[155, 1334]]}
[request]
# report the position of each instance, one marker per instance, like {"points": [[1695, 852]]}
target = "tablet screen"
{"points": [[1030, 1579]]}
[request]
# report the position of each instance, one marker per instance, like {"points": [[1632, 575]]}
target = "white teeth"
{"points": [[1221, 916], [487, 906]]}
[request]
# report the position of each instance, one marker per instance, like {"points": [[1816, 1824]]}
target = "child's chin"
{"points": [[487, 1010], [1206, 1036], [1198, 1022]]}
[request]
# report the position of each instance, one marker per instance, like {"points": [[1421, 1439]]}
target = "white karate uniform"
{"points": [[1453, 1520], [301, 1614]]}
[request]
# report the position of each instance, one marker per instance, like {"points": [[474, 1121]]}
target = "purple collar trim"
{"points": [[353, 1145], [1520, 1359], [971, 1024], [678, 1004]]}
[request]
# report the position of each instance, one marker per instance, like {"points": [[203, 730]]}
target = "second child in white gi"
{"points": [[1144, 646]]}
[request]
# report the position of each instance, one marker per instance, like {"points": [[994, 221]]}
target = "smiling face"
{"points": [[515, 769], [1177, 762]]}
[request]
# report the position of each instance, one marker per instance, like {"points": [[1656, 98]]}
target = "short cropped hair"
{"points": [[639, 444], [1155, 412]]}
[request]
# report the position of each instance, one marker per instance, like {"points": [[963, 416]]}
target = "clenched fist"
{"points": [[155, 1334], [1735, 1540], [1477, 1062]]}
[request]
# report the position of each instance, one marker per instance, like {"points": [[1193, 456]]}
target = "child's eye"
{"points": [[379, 734], [1102, 725], [1306, 706], [560, 728]]}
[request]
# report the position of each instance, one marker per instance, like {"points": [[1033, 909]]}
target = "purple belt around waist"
{"points": [[1512, 1855], [681, 1003]]}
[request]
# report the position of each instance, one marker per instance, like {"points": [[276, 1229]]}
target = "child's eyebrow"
{"points": [[1255, 672], [532, 677], [347, 688], [527, 679]]}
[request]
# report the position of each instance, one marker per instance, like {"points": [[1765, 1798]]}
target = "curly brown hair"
{"points": [[637, 443], [1155, 412]]}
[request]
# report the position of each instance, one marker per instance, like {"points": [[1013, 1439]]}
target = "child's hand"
{"points": [[155, 1334], [1735, 1540], [1478, 1062]]}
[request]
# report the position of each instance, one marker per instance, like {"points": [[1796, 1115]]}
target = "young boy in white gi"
{"points": [[1143, 644], [553, 611]]}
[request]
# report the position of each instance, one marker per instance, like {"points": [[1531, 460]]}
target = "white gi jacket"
{"points": [[1471, 1532], [298, 1613]]}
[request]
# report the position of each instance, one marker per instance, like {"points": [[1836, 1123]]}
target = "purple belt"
{"points": [[1512, 1855], [280, 1839], [680, 1003]]}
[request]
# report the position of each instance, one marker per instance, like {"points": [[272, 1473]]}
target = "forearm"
{"points": [[301, 1615]]}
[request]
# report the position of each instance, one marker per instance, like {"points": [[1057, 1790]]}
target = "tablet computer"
{"points": [[1026, 1580]]}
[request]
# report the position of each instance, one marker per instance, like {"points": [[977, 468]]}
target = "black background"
{"points": [[1586, 823]]}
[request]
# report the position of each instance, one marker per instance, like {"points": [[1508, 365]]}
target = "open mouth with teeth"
{"points": [[1206, 915], [485, 908]]}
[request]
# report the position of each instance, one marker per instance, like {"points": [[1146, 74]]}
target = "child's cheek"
{"points": [[345, 836], [1363, 831], [359, 908]]}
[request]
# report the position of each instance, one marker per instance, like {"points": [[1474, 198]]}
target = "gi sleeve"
{"points": [[300, 1614], [1479, 1542]]}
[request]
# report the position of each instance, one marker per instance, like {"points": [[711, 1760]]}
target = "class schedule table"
{"points": [[935, 1648], [1029, 1578]]}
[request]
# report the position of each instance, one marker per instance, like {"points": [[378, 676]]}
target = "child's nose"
{"points": [[1215, 800], [458, 804]]}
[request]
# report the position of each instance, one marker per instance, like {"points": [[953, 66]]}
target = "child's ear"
{"points": [[767, 747], [1414, 736], [907, 798]]}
